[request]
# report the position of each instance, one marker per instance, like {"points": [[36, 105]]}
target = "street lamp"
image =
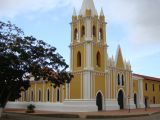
{"points": [[129, 104]]}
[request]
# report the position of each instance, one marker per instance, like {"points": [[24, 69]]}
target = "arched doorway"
{"points": [[135, 99], [120, 99], [99, 101]]}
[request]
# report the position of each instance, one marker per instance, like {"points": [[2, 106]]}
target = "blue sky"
{"points": [[135, 25]]}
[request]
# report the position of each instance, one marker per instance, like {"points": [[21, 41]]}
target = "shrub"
{"points": [[30, 108]]}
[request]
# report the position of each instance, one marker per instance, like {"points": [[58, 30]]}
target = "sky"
{"points": [[135, 25]]}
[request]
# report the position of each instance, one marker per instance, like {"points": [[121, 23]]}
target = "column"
{"points": [[140, 93], [131, 100]]}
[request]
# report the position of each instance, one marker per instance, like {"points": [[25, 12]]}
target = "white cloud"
{"points": [[141, 18], [11, 8]]}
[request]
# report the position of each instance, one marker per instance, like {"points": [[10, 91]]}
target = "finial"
{"points": [[101, 13], [74, 12]]}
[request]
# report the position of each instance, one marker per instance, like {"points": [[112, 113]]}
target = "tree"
{"points": [[22, 57]]}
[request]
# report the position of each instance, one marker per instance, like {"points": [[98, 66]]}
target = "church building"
{"points": [[100, 82]]}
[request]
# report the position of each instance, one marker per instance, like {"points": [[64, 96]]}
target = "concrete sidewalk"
{"points": [[102, 114]]}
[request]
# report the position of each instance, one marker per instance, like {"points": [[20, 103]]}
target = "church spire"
{"points": [[88, 5]]}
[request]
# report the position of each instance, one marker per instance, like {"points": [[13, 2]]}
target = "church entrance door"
{"points": [[120, 99], [99, 101]]}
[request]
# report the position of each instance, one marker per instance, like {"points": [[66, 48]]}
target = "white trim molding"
{"points": [[111, 104], [66, 106], [154, 105]]}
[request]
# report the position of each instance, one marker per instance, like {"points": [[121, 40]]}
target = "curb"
{"points": [[113, 116], [58, 115], [46, 115], [119, 116]]}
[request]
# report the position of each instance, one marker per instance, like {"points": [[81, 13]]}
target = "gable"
{"points": [[119, 59]]}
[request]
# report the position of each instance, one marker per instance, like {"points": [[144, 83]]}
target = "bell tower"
{"points": [[87, 53]]}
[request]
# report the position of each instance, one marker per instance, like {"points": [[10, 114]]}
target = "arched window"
{"points": [[48, 95], [58, 95], [98, 59], [100, 34], [118, 78], [82, 31], [32, 96], [122, 80], [94, 31], [75, 34], [153, 87], [146, 86], [78, 59], [39, 96]]}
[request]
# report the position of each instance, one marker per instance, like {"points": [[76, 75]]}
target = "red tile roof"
{"points": [[147, 77]]}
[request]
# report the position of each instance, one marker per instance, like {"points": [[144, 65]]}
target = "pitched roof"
{"points": [[147, 77], [88, 5]]}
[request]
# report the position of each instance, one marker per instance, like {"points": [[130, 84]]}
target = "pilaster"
{"points": [[87, 84], [88, 56]]}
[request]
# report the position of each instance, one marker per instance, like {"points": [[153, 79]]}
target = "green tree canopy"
{"points": [[24, 57]]}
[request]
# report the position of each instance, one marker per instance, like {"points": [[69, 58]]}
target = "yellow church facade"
{"points": [[100, 82]]}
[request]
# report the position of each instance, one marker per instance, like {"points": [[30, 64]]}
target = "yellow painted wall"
{"points": [[120, 63], [75, 87], [44, 86], [150, 93], [135, 86], [99, 85]]}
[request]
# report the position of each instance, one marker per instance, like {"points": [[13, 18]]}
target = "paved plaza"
{"points": [[137, 114], [31, 117]]}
